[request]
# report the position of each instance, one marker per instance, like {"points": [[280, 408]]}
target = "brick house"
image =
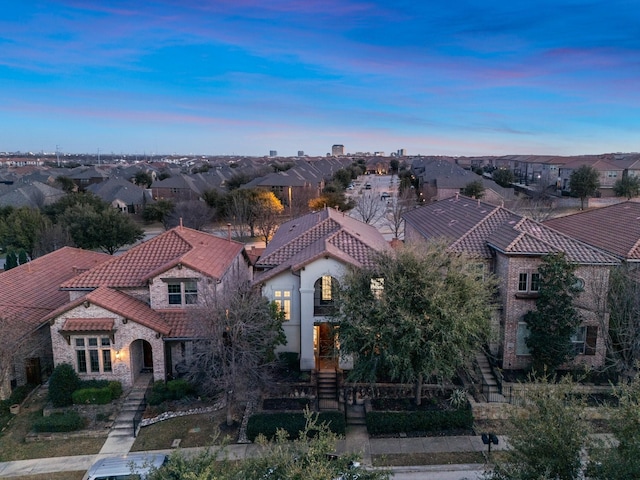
{"points": [[511, 247], [130, 314], [29, 292], [300, 269]]}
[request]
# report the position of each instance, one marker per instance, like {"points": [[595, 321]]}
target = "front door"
{"points": [[34, 375], [326, 355], [147, 357]]}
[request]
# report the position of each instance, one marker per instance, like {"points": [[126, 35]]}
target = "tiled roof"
{"points": [[464, 222], [474, 228], [30, 291], [88, 325], [615, 228], [120, 304], [208, 254], [328, 232]]}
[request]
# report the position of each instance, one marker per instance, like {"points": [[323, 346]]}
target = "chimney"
{"points": [[229, 231], [180, 223]]}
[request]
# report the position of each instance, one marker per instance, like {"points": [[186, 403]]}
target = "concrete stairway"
{"points": [[133, 405], [490, 386], [356, 415], [327, 389]]}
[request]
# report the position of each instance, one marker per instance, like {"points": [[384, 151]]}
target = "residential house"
{"points": [[301, 268], [614, 229], [29, 292], [177, 187], [608, 172], [511, 247], [131, 314], [122, 194]]}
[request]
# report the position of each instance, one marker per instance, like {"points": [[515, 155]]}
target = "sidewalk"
{"points": [[356, 440]]}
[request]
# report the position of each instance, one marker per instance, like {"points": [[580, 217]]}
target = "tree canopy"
{"points": [[627, 186], [474, 189], [503, 177], [584, 182], [419, 313], [555, 319]]}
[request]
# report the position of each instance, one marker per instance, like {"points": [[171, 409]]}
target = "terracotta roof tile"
{"points": [[88, 325], [31, 291], [474, 228], [329, 232], [200, 251], [615, 228]]}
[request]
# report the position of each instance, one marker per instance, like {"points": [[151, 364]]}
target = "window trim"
{"points": [[530, 280], [92, 358], [188, 294], [282, 297]]}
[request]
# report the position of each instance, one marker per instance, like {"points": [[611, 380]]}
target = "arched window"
{"points": [[324, 295]]}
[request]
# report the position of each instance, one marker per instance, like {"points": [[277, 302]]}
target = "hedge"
{"points": [[59, 422], [292, 423], [381, 423], [171, 390]]}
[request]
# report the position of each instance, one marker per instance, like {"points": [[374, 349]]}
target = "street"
{"points": [[437, 475]]}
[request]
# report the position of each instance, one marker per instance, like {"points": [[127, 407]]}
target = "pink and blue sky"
{"points": [[471, 77]]}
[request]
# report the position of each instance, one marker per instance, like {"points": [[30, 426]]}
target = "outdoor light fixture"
{"points": [[117, 354], [489, 439]]}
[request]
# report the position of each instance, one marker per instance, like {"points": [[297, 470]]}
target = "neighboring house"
{"points": [[511, 247], [29, 292], [300, 270], [122, 194], [614, 228], [131, 314], [441, 178], [35, 195], [177, 187], [608, 173]]}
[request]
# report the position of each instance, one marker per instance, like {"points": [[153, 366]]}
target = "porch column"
{"points": [[307, 358]]}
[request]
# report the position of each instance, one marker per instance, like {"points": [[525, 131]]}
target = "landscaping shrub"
{"points": [[382, 423], [93, 383], [171, 390], [292, 423], [99, 396], [63, 382], [116, 389], [59, 422]]}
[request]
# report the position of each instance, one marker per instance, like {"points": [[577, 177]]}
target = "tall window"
{"points": [[283, 299], [183, 292], [93, 354], [324, 295]]}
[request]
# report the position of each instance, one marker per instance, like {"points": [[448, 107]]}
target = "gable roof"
{"points": [[200, 251], [31, 290], [614, 228], [474, 227], [120, 304], [327, 232]]}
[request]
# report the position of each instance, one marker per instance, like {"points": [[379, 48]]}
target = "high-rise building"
{"points": [[301, 153], [337, 150], [402, 152], [273, 153]]}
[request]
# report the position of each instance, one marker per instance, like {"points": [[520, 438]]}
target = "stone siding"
{"points": [[127, 341]]}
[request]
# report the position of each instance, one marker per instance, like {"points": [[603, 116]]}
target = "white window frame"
{"points": [[188, 292], [283, 300]]}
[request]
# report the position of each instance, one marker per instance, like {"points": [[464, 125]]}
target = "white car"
{"points": [[125, 467]]}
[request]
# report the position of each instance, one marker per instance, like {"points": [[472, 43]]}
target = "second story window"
{"points": [[324, 295], [182, 292], [528, 282]]}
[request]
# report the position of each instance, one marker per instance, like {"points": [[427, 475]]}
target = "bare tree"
{"points": [[398, 207], [537, 208], [369, 207], [266, 210], [623, 335], [193, 213], [52, 237], [239, 331]]}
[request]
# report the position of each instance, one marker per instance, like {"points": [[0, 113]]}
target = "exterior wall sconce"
{"points": [[125, 320], [117, 354]]}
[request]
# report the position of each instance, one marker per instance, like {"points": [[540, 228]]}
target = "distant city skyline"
{"points": [[246, 77]]}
